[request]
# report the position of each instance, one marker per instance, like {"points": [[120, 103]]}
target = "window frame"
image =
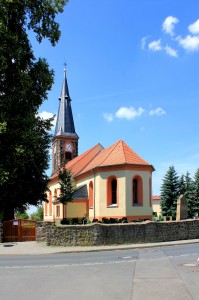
{"points": [[110, 192], [137, 183]]}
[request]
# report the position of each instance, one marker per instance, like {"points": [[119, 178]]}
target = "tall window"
{"points": [[57, 211], [137, 192], [114, 191], [55, 194], [50, 203], [91, 194], [111, 191], [46, 208], [68, 156]]}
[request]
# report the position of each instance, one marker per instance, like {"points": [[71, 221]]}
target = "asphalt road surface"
{"points": [[152, 273]]}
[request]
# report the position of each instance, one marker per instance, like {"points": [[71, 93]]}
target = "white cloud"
{"points": [[108, 117], [157, 112], [194, 28], [169, 24], [170, 51], [189, 43], [47, 115], [129, 113], [143, 41], [155, 45]]}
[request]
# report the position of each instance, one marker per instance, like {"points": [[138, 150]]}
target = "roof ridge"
{"points": [[86, 152], [89, 161], [109, 152], [123, 144]]}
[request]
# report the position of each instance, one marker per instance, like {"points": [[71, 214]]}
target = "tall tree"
{"points": [[22, 215], [66, 186], [195, 206], [189, 195], [182, 185], [38, 215], [169, 192], [24, 83]]}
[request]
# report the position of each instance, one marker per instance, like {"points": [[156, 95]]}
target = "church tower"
{"points": [[65, 140]]}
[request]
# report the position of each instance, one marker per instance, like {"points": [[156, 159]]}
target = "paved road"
{"points": [[150, 273]]}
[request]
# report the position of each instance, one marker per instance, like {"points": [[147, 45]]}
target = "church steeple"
{"points": [[65, 123], [65, 140]]}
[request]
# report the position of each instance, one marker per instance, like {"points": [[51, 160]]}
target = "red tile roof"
{"points": [[77, 164], [155, 197], [80, 162], [117, 154]]}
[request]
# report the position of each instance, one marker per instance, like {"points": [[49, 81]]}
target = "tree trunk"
{"points": [[8, 213]]}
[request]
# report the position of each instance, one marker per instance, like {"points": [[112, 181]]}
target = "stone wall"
{"points": [[110, 234]]}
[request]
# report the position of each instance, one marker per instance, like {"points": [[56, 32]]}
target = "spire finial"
{"points": [[65, 67]]}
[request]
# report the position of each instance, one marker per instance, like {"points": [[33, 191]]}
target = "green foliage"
{"points": [[189, 195], [22, 214], [173, 187], [195, 205], [24, 84], [66, 186], [169, 192], [38, 215]]}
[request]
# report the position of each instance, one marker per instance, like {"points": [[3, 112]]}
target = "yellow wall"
{"points": [[124, 194], [52, 217], [75, 210], [125, 207], [146, 208]]}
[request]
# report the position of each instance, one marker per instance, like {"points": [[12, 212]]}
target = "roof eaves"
{"points": [[116, 165]]}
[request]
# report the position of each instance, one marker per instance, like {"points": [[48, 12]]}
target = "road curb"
{"points": [[37, 248]]}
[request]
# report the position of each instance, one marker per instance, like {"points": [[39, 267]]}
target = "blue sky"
{"points": [[133, 74]]}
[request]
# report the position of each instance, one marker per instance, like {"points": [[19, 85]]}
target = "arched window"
{"points": [[68, 151], [137, 188], [68, 156], [50, 203], [112, 191], [55, 194], [46, 208], [57, 210], [91, 194], [45, 205]]}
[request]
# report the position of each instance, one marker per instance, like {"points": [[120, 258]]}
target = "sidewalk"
{"points": [[37, 248]]}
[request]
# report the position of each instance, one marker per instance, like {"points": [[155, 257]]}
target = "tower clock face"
{"points": [[69, 147]]}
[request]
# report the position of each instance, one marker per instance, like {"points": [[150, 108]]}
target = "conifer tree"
{"points": [[169, 192], [189, 195], [66, 186], [182, 185], [195, 205]]}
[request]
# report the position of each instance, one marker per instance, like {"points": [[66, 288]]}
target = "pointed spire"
{"points": [[65, 123]]}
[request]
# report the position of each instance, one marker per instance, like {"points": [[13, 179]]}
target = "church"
{"points": [[112, 182]]}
